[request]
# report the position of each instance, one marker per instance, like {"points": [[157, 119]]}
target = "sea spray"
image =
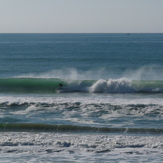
{"points": [[146, 72], [70, 74]]}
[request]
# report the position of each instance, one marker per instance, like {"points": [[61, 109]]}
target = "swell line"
{"points": [[72, 128]]}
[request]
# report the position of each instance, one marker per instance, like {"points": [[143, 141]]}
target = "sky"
{"points": [[81, 16]]}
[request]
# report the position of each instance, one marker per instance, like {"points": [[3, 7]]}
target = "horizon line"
{"points": [[81, 32]]}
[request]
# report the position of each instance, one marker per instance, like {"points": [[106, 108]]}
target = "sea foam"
{"points": [[112, 86]]}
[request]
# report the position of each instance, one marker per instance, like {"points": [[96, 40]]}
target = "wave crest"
{"points": [[111, 86]]}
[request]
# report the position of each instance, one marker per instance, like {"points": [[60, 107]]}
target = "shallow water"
{"points": [[83, 147]]}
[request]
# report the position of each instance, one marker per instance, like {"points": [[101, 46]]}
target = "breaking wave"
{"points": [[53, 85]]}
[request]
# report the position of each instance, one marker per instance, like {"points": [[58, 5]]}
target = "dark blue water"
{"points": [[115, 53]]}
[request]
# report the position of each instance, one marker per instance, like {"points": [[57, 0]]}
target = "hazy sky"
{"points": [[81, 16]]}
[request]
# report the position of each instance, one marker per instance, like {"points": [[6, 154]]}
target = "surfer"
{"points": [[60, 85]]}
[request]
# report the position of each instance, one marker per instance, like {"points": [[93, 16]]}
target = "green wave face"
{"points": [[148, 86], [29, 85], [43, 85]]}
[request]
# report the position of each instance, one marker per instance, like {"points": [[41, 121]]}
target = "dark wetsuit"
{"points": [[60, 85]]}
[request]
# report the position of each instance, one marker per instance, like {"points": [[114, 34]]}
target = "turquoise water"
{"points": [[81, 97]]}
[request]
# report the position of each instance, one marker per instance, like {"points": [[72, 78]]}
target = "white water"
{"points": [[112, 86], [54, 147], [113, 99], [98, 110]]}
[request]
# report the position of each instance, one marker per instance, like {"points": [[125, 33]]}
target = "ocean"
{"points": [[81, 97]]}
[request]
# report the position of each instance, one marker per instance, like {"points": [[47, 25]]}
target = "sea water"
{"points": [[81, 98]]}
